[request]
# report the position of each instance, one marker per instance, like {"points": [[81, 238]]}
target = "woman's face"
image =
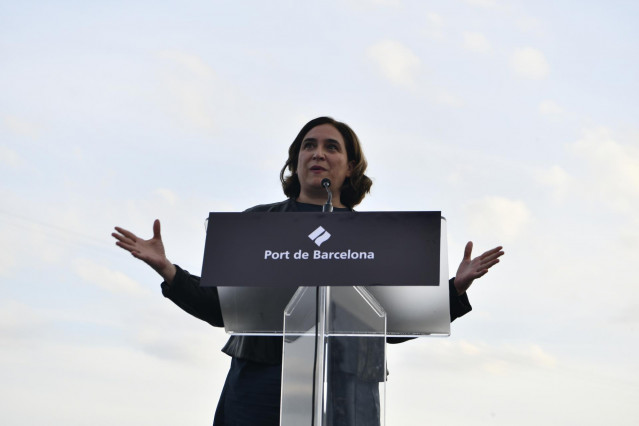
{"points": [[323, 155]]}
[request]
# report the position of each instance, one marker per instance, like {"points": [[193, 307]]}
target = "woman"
{"points": [[324, 148]]}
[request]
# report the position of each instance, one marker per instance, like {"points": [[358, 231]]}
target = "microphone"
{"points": [[328, 207]]}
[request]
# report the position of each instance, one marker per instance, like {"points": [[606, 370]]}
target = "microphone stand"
{"points": [[321, 315], [328, 207]]}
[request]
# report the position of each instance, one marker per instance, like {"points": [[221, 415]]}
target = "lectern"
{"points": [[335, 286]]}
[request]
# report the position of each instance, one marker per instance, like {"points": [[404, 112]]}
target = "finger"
{"points": [[156, 229], [128, 247], [468, 250], [126, 233], [120, 237], [491, 257], [489, 264], [492, 251]]}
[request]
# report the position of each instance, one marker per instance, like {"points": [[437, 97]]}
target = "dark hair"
{"points": [[354, 188]]}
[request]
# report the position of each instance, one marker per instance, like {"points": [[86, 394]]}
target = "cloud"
{"points": [[368, 3], [613, 168], [530, 63], [174, 343], [396, 62], [449, 99], [479, 355], [191, 63], [482, 3], [7, 261], [559, 180], [529, 24], [500, 218], [31, 243], [194, 94], [607, 172], [549, 107], [510, 357], [190, 85], [19, 321], [476, 42], [434, 26], [9, 157], [107, 279], [21, 127], [167, 195]]}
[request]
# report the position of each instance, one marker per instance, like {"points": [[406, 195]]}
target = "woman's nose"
{"points": [[318, 154]]}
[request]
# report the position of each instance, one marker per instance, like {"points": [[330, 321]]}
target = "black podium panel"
{"points": [[262, 249]]}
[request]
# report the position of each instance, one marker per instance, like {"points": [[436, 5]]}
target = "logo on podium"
{"points": [[319, 236]]}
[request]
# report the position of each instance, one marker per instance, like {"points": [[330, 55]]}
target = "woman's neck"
{"points": [[319, 198]]}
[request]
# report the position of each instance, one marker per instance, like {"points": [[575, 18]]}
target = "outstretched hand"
{"points": [[149, 251], [471, 269]]}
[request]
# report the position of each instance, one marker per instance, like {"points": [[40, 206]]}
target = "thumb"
{"points": [[467, 251], [156, 229]]}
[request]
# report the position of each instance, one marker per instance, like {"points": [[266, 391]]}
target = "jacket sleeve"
{"points": [[201, 302], [459, 304]]}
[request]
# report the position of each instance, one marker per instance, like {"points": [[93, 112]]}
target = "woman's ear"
{"points": [[351, 166]]}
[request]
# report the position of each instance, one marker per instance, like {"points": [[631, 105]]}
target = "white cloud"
{"points": [[7, 261], [449, 99], [503, 381], [529, 24], [30, 243], [18, 321], [501, 218], [549, 107], [167, 195], [396, 62], [511, 357], [613, 167], [12, 239], [364, 3], [472, 355], [191, 63], [100, 377], [476, 42], [530, 63], [21, 127], [193, 93], [173, 343], [559, 180], [609, 174], [9, 157], [107, 279], [482, 3], [434, 26]]}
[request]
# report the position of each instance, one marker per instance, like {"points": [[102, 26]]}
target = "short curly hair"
{"points": [[354, 188]]}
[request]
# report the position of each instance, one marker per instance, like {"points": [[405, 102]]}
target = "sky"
{"points": [[517, 120]]}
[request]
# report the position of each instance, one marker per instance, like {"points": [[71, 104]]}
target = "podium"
{"points": [[334, 286]]}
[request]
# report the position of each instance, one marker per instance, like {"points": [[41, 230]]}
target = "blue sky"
{"points": [[516, 119]]}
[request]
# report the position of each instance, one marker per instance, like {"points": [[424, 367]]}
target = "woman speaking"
{"points": [[324, 148]]}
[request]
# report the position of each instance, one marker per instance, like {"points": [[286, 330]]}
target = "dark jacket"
{"points": [[203, 303]]}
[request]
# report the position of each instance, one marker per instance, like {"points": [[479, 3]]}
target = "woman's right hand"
{"points": [[150, 251]]}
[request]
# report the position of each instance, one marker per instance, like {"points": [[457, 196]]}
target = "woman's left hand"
{"points": [[471, 269]]}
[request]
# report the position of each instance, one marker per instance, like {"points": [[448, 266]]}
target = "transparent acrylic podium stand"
{"points": [[334, 358], [334, 338]]}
